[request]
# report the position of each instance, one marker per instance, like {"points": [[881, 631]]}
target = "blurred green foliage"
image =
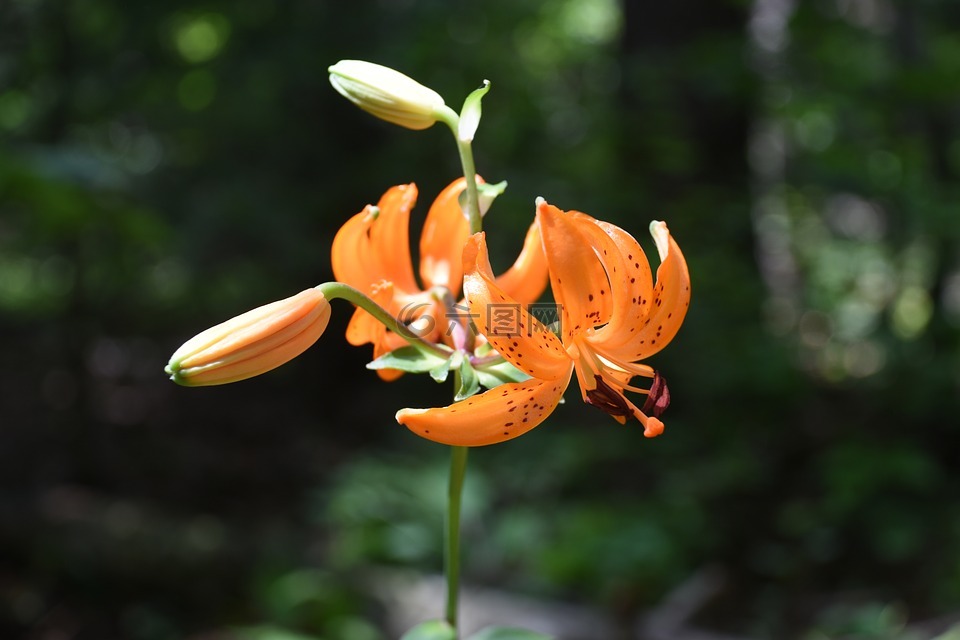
{"points": [[166, 165]]}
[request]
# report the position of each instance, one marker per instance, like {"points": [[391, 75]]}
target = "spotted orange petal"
{"points": [[668, 306], [519, 337], [631, 283], [579, 282], [494, 416]]}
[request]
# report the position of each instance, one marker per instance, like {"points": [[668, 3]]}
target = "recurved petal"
{"points": [[390, 237], [671, 298], [527, 278], [351, 256], [631, 283], [519, 337], [494, 416], [363, 327], [441, 242], [579, 282]]}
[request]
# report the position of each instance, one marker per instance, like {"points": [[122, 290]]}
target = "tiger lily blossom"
{"points": [[371, 253], [612, 316]]}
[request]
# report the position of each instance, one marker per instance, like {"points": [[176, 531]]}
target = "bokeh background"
{"points": [[167, 165]]}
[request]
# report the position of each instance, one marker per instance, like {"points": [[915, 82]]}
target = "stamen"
{"points": [[630, 367], [608, 399], [659, 397], [608, 394], [615, 382], [603, 365]]}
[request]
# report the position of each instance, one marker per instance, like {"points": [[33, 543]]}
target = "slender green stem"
{"points": [[332, 290], [452, 120], [470, 173], [451, 556], [458, 455]]}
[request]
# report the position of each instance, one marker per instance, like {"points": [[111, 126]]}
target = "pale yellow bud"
{"points": [[387, 94], [252, 343]]}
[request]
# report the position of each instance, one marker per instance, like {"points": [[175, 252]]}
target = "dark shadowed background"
{"points": [[167, 165]]}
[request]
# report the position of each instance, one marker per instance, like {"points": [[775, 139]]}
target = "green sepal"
{"points": [[496, 374], [469, 381], [508, 633], [470, 113], [439, 373], [486, 194], [431, 630], [483, 350], [408, 359]]}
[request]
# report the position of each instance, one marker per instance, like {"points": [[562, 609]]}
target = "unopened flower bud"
{"points": [[252, 343], [387, 94]]}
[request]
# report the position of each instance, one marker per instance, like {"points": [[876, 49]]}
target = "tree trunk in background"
{"points": [[684, 76]]}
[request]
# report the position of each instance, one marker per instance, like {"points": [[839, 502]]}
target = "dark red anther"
{"points": [[608, 399], [659, 397]]}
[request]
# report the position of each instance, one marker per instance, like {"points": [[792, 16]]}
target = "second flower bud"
{"points": [[387, 94]]}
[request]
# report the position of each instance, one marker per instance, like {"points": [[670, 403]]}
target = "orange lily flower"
{"points": [[612, 316], [371, 253]]}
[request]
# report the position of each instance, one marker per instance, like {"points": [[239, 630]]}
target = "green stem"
{"points": [[452, 120], [473, 197], [332, 290], [458, 455], [451, 556]]}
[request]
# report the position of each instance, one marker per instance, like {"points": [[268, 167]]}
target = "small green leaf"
{"points": [[469, 383], [508, 633], [483, 350], [486, 194], [407, 359], [489, 380], [494, 375], [470, 113], [431, 630], [439, 373]]}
